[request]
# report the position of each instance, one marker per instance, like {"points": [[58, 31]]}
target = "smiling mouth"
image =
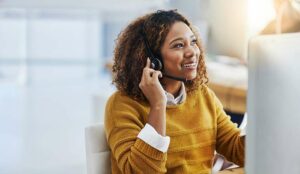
{"points": [[190, 65]]}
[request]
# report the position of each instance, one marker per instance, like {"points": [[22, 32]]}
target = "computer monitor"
{"points": [[273, 105]]}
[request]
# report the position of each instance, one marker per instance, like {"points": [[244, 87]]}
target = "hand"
{"points": [[155, 94], [151, 86]]}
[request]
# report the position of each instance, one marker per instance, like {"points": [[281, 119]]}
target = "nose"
{"points": [[190, 51]]}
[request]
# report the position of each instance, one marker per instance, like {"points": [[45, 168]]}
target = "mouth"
{"points": [[191, 65]]}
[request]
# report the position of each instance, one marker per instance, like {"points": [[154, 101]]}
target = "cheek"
{"points": [[198, 52], [172, 59]]}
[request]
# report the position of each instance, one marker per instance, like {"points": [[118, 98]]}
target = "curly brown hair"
{"points": [[130, 54]]}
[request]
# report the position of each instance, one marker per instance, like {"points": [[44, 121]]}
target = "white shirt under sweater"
{"points": [[149, 135]]}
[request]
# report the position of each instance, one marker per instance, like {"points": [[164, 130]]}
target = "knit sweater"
{"points": [[197, 127]]}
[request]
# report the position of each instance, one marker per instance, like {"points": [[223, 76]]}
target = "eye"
{"points": [[178, 45], [194, 41]]}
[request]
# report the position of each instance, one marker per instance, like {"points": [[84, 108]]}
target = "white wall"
{"points": [[117, 5], [59, 52], [224, 20], [228, 28]]}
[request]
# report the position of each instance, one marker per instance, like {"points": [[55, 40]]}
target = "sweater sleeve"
{"points": [[229, 142], [132, 155], [149, 135]]}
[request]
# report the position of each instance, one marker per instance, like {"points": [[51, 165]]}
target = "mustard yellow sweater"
{"points": [[197, 128]]}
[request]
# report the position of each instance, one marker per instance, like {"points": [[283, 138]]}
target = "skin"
{"points": [[180, 55]]}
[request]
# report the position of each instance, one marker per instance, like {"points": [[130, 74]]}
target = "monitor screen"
{"points": [[273, 105]]}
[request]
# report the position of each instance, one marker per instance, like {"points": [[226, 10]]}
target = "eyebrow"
{"points": [[181, 38]]}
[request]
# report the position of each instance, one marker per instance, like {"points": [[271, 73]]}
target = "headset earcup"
{"points": [[156, 64]]}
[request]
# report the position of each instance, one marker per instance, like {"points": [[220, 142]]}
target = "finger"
{"points": [[147, 68], [148, 73], [157, 74], [148, 63], [160, 75]]}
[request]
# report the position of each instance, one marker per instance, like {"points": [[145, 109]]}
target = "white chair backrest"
{"points": [[97, 151]]}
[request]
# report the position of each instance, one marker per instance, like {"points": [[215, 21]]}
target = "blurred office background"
{"points": [[53, 75]]}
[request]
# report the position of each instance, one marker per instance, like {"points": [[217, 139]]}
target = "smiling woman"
{"points": [[180, 47], [150, 108]]}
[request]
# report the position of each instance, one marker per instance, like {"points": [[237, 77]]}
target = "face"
{"points": [[180, 53]]}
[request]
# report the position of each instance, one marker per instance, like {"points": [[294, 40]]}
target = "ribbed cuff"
{"points": [[149, 151]]}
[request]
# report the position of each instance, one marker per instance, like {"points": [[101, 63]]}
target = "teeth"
{"points": [[190, 65]]}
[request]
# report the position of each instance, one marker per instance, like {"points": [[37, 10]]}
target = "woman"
{"points": [[163, 118]]}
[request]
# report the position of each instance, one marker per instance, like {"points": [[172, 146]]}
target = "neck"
{"points": [[172, 86]]}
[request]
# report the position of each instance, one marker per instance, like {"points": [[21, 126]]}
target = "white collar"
{"points": [[179, 99]]}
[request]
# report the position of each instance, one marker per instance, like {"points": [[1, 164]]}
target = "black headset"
{"points": [[156, 62]]}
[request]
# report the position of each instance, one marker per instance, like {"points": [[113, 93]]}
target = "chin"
{"points": [[191, 77]]}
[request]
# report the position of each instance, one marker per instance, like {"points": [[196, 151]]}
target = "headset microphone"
{"points": [[175, 78]]}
